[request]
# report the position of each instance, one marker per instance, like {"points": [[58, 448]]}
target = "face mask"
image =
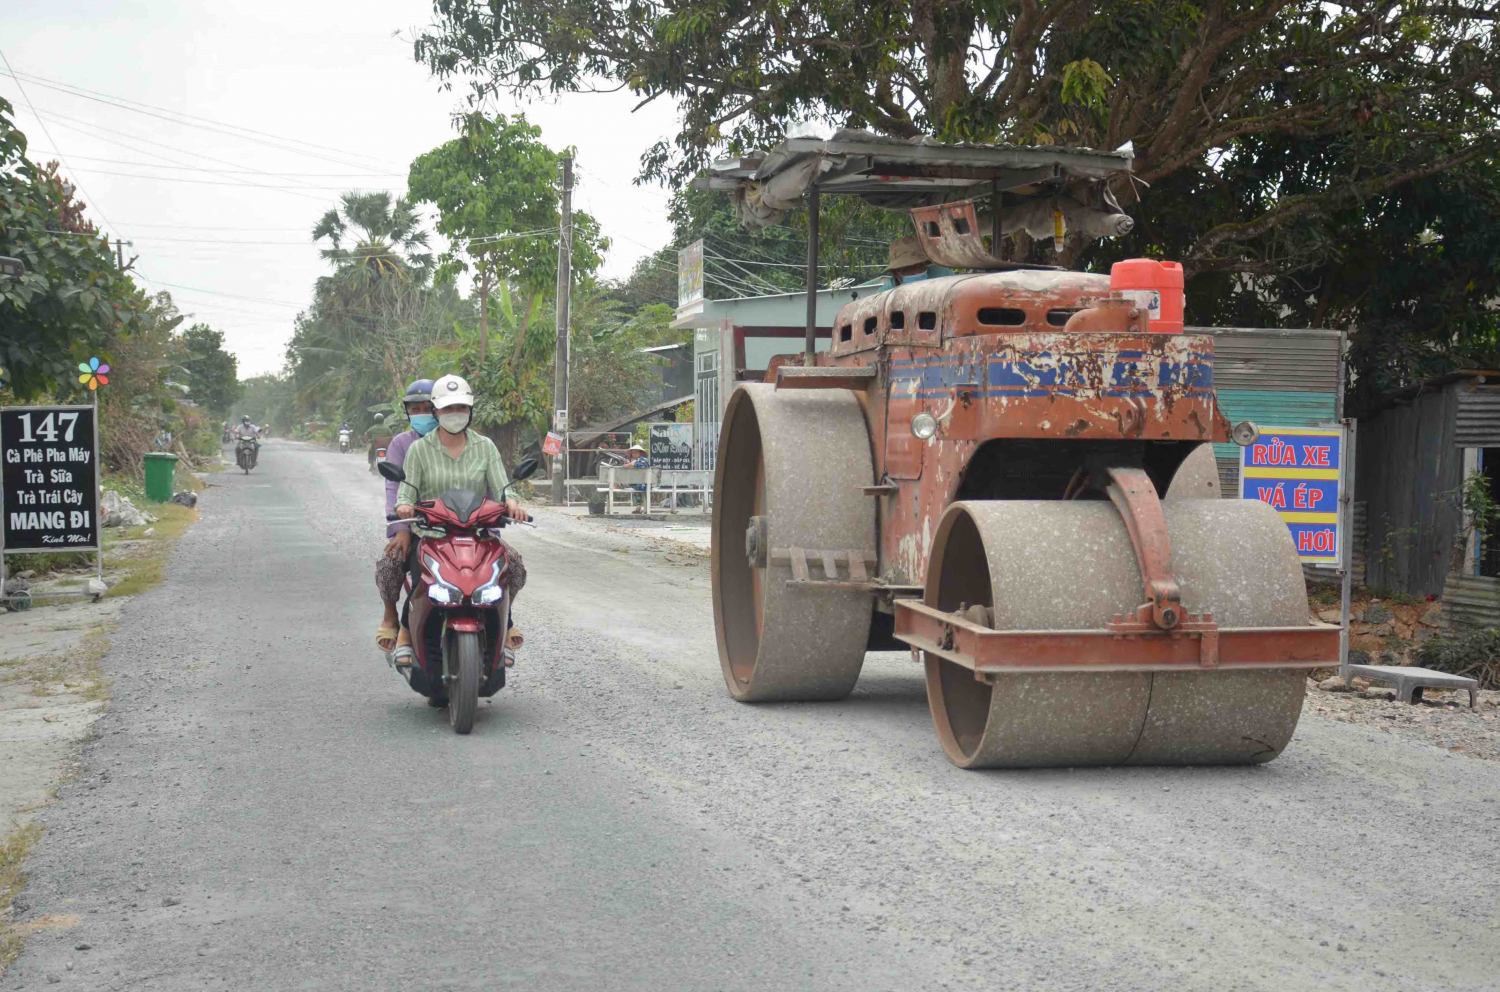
{"points": [[454, 423], [423, 423]]}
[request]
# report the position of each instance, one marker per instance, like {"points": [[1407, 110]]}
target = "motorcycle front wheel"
{"points": [[463, 695]]}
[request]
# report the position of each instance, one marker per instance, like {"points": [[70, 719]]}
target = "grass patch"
{"points": [[147, 564], [80, 670], [13, 851]]}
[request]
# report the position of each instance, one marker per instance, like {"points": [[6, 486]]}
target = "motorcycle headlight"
{"points": [[441, 590], [491, 591]]}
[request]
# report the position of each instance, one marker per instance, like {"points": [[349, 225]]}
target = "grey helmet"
{"points": [[420, 391]]}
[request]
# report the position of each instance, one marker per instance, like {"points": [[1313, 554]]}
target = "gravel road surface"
{"points": [[268, 806]]}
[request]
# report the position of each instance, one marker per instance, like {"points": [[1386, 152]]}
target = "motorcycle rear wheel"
{"points": [[463, 695]]}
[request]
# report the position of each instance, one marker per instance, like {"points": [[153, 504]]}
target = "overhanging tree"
{"points": [[1391, 90]]}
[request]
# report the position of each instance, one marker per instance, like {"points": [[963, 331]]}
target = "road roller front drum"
{"points": [[1069, 569], [788, 508]]}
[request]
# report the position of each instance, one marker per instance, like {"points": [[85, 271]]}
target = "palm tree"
{"points": [[383, 257]]}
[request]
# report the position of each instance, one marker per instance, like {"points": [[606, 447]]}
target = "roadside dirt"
{"points": [[1442, 719], [51, 690]]}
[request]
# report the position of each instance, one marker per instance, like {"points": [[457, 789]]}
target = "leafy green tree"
{"points": [[495, 188], [213, 373], [71, 296], [1396, 89]]}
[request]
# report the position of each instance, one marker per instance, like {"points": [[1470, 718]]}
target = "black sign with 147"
{"points": [[49, 478]]}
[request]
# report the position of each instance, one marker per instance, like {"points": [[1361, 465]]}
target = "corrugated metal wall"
{"points": [[1471, 602], [1478, 417], [1294, 361], [1275, 377], [1410, 468]]}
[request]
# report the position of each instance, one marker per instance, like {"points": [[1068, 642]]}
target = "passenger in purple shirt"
{"points": [[390, 571]]}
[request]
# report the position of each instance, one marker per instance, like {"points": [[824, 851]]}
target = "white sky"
{"points": [[332, 73]]}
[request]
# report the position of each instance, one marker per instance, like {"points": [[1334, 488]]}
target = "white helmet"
{"points": [[451, 390]]}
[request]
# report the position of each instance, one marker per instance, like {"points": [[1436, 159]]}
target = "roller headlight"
{"points": [[1244, 433], [924, 426]]}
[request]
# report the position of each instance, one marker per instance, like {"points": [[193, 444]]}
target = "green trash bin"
{"points": [[160, 467]]}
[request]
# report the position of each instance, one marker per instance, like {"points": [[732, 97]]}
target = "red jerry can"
{"points": [[1155, 287]]}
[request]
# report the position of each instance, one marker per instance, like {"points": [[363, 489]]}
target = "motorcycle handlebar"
{"points": [[394, 518]]}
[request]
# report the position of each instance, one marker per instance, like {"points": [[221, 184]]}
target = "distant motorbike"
{"points": [[344, 442], [377, 455], [458, 629], [245, 454]]}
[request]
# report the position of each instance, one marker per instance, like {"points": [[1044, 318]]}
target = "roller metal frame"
{"points": [[1197, 644]]}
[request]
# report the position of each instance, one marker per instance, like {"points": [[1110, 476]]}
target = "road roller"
{"points": [[1007, 470]]}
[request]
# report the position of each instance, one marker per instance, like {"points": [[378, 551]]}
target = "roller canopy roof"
{"points": [[898, 174]]}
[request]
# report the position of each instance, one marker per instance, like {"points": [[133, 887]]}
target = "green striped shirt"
{"points": [[431, 471]]}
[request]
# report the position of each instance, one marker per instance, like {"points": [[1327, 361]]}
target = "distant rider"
{"points": [[417, 402], [246, 431]]}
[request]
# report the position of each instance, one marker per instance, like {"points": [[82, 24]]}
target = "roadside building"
{"points": [[1415, 453]]}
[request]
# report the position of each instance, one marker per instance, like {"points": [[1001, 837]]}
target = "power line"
{"points": [[234, 296], [199, 168], [219, 182], [124, 104], [84, 126], [52, 140]]}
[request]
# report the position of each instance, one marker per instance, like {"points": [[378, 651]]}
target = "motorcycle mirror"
{"points": [[526, 469], [390, 471]]}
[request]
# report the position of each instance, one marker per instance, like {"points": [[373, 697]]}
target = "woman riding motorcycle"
{"points": [[453, 457]]}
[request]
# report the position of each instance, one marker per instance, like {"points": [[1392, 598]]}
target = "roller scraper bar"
{"points": [[1195, 645]]}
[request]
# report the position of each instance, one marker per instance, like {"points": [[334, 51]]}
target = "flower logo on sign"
{"points": [[93, 374]]}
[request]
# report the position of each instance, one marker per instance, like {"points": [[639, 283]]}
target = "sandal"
{"points": [[403, 656], [384, 633], [513, 641]]}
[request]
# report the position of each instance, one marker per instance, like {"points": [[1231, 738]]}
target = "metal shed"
{"points": [[1413, 456]]}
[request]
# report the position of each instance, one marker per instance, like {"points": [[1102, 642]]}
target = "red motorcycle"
{"points": [[458, 629]]}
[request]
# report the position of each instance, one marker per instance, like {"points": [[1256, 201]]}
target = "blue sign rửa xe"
{"points": [[1299, 472]]}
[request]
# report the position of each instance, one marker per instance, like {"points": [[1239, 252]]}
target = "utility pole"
{"points": [[564, 295], [120, 254], [484, 315]]}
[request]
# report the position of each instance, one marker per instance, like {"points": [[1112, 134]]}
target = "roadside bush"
{"points": [[1475, 654]]}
